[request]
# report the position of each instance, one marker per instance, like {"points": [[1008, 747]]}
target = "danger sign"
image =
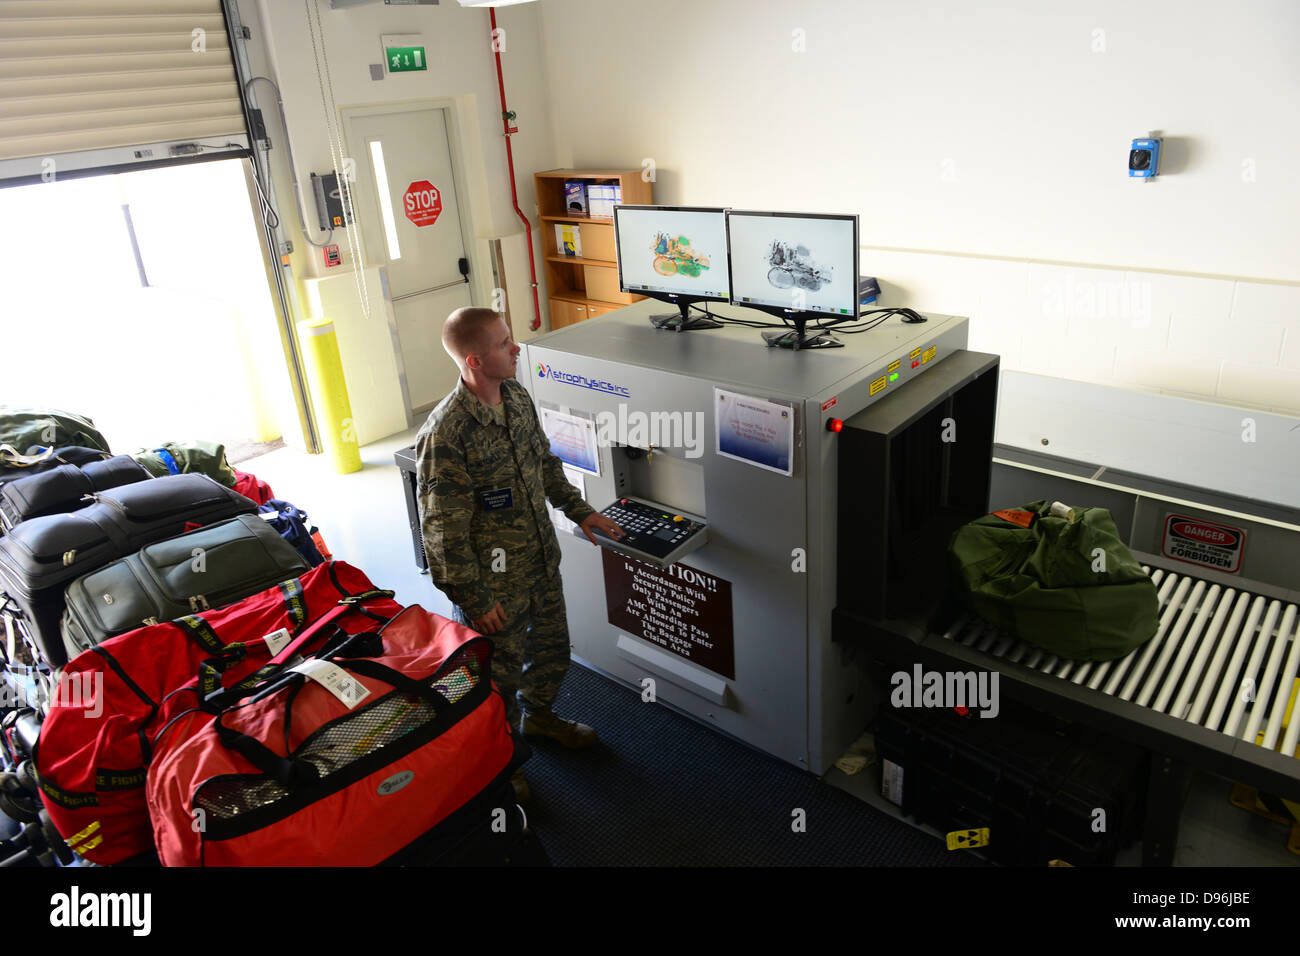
{"points": [[422, 203], [1215, 546]]}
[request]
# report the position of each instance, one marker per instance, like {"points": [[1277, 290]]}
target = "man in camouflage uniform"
{"points": [[485, 472]]}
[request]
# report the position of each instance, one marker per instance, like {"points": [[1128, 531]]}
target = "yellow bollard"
{"points": [[320, 347]]}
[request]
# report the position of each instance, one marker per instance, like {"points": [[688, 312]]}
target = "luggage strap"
{"points": [[292, 772], [168, 460], [11, 456], [214, 697]]}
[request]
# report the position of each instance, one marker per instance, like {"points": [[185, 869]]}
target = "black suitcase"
{"points": [[62, 489], [67, 455], [1045, 789], [39, 557]]}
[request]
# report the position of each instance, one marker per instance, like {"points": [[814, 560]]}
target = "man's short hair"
{"points": [[466, 331]]}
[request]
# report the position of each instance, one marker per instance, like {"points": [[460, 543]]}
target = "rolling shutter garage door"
{"points": [[102, 78]]}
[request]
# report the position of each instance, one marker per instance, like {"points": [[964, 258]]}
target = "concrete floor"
{"points": [[362, 517]]}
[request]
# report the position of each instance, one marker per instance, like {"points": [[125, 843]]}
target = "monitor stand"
{"points": [[797, 338], [683, 321]]}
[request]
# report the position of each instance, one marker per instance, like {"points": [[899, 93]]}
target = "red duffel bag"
{"points": [[113, 699], [344, 760]]}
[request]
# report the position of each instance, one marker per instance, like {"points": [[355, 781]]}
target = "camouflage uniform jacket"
{"points": [[482, 485]]}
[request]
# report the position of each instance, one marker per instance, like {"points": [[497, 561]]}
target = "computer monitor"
{"points": [[799, 266], [676, 254]]}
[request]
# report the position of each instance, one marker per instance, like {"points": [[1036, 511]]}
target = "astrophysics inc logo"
{"points": [[581, 381]]}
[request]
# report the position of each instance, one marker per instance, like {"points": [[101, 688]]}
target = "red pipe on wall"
{"points": [[510, 162]]}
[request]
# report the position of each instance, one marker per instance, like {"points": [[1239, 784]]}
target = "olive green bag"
{"points": [[178, 458], [22, 429], [1058, 578]]}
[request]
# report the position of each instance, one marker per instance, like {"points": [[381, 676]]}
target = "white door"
{"points": [[407, 210]]}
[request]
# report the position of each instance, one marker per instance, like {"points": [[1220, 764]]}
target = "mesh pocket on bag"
{"points": [[341, 743]]}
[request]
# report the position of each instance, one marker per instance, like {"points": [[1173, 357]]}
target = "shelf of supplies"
{"points": [[611, 174], [598, 220], [580, 261], [580, 299]]}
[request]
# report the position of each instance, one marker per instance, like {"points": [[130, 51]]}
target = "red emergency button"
{"points": [[834, 425]]}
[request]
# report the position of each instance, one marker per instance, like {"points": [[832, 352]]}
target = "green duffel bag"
{"points": [[22, 429], [1056, 577], [178, 458]]}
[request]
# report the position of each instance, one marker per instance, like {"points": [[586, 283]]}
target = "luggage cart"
{"points": [[26, 678]]}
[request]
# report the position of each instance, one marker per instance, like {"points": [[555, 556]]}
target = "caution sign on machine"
{"points": [[682, 610], [1210, 545]]}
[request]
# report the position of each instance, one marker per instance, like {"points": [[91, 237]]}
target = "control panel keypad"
{"points": [[650, 529]]}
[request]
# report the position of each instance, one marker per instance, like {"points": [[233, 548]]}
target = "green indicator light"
{"points": [[894, 377]]}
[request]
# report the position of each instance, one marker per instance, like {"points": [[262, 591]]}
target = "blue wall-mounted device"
{"points": [[1144, 158]]}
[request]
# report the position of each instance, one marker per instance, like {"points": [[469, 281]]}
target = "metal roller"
{"points": [[1216, 649], [1167, 613], [1248, 690], [1228, 684], [1286, 682]]}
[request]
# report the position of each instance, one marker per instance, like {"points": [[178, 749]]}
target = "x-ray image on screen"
{"points": [[787, 261], [672, 251]]}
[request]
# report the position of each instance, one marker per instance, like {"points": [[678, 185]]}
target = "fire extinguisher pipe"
{"points": [[510, 162]]}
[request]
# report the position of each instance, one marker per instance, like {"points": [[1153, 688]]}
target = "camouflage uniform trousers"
{"points": [[531, 652]]}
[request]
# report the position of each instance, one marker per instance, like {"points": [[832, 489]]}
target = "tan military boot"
{"points": [[523, 793], [570, 733]]}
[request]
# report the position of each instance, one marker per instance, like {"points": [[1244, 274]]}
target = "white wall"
{"points": [[996, 135], [461, 66]]}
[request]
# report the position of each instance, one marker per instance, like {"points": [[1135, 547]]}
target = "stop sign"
{"points": [[422, 203]]}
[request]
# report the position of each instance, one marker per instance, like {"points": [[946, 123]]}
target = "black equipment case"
{"points": [[69, 455], [1045, 789], [61, 489], [39, 557]]}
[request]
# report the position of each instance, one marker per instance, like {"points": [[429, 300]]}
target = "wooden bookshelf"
{"points": [[585, 286]]}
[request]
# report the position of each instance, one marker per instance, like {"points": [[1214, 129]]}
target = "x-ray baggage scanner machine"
{"points": [[751, 519]]}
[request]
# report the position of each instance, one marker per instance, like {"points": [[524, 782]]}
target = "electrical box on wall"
{"points": [[331, 208], [1144, 158]]}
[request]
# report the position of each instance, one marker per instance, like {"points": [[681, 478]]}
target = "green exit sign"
{"points": [[404, 59]]}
